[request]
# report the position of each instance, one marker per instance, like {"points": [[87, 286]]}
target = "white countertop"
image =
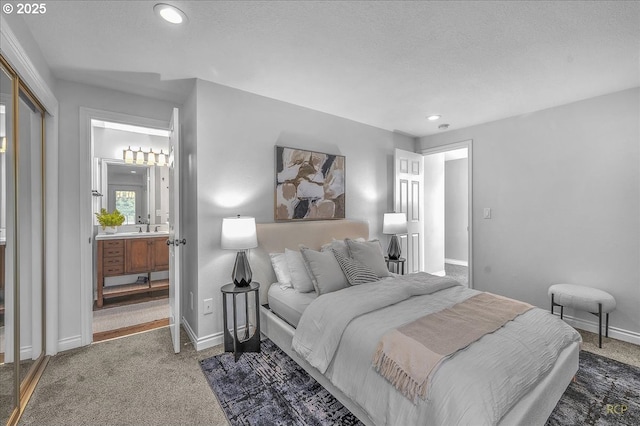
{"points": [[135, 234]]}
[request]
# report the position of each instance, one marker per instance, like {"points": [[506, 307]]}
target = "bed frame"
{"points": [[534, 408]]}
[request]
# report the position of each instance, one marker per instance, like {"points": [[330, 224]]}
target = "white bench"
{"points": [[588, 299]]}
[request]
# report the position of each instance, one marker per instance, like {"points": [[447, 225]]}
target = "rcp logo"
{"points": [[617, 409]]}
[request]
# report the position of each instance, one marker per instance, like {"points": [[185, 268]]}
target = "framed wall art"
{"points": [[309, 185]]}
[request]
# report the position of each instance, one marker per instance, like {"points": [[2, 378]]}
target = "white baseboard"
{"points": [[206, 342], [69, 343], [614, 332], [457, 262], [438, 273]]}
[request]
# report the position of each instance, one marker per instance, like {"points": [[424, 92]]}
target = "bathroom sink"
{"points": [[132, 234]]}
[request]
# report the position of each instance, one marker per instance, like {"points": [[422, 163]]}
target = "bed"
{"points": [[456, 388]]}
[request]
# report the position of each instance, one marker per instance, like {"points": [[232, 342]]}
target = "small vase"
{"points": [[110, 229]]}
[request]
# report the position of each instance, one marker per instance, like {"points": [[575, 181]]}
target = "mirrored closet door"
{"points": [[22, 259]]}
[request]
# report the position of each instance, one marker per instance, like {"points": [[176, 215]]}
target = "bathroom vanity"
{"points": [[134, 253]]}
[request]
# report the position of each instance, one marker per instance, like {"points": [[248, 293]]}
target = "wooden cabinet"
{"points": [[131, 256]]}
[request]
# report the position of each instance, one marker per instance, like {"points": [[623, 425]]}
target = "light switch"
{"points": [[487, 212], [208, 306]]}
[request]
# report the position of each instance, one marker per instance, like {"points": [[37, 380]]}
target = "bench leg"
{"points": [[561, 311], [552, 304], [599, 325], [607, 326]]}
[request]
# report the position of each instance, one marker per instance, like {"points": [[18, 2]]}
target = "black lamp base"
{"points": [[241, 270], [394, 250]]}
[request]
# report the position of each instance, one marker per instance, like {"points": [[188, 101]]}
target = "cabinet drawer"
{"points": [[107, 244], [113, 252], [113, 270], [110, 261]]}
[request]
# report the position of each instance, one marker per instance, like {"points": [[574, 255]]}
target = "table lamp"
{"points": [[393, 224], [239, 233]]}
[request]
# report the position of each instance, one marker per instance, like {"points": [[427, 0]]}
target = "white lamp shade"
{"points": [[162, 159], [128, 156], [140, 157], [394, 223], [239, 233]]}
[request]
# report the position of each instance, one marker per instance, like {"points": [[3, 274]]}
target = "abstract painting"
{"points": [[309, 185]]}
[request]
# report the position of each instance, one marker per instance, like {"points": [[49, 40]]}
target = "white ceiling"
{"points": [[387, 64]]}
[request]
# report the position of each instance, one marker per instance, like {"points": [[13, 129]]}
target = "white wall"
{"points": [[434, 213], [564, 188], [456, 209], [236, 135], [109, 143], [71, 97]]}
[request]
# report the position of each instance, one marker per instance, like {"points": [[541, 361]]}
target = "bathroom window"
{"points": [[126, 204]]}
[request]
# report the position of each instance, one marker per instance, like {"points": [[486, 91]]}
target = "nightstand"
{"points": [[398, 262], [232, 343]]}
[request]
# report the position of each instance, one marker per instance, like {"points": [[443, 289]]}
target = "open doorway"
{"points": [[128, 267], [448, 198]]}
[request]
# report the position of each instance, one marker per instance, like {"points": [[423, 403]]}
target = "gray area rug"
{"points": [[606, 392], [269, 388]]}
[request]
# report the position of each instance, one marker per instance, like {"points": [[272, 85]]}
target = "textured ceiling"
{"points": [[387, 64]]}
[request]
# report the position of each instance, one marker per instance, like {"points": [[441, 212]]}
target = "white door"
{"points": [[408, 191], [175, 241]]}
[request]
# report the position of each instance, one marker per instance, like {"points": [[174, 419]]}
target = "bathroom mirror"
{"points": [[140, 192]]}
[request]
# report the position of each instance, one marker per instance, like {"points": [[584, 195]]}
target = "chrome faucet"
{"points": [[148, 230]]}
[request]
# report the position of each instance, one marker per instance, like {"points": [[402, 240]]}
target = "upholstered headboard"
{"points": [[275, 237]]}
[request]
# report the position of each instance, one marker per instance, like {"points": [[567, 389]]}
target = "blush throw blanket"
{"points": [[409, 355]]}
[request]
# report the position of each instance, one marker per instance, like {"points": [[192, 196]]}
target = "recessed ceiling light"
{"points": [[443, 126], [433, 117], [170, 13]]}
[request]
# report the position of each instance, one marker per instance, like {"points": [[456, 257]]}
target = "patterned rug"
{"points": [[269, 388], [606, 392]]}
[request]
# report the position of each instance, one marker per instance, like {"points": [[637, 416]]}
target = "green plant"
{"points": [[114, 218]]}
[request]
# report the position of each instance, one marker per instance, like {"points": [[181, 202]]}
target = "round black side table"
{"points": [[232, 343], [398, 262]]}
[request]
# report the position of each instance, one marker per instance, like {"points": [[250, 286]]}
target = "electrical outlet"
{"points": [[487, 213], [208, 306]]}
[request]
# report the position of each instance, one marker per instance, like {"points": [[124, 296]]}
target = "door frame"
{"points": [[87, 277], [450, 147]]}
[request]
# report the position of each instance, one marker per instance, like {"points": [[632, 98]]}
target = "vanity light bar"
{"points": [[140, 157]]}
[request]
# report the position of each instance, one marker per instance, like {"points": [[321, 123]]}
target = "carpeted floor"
{"points": [[135, 380], [457, 272]]}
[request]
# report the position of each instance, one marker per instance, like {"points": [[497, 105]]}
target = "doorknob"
{"points": [[177, 242]]}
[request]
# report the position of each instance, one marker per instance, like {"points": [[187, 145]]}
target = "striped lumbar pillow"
{"points": [[355, 271]]}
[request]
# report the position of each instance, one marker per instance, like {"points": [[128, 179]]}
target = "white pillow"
{"points": [[325, 271], [280, 267], [300, 278], [369, 253]]}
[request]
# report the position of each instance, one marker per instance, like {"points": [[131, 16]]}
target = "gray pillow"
{"points": [[356, 272], [339, 246], [325, 271], [369, 253], [300, 279]]}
